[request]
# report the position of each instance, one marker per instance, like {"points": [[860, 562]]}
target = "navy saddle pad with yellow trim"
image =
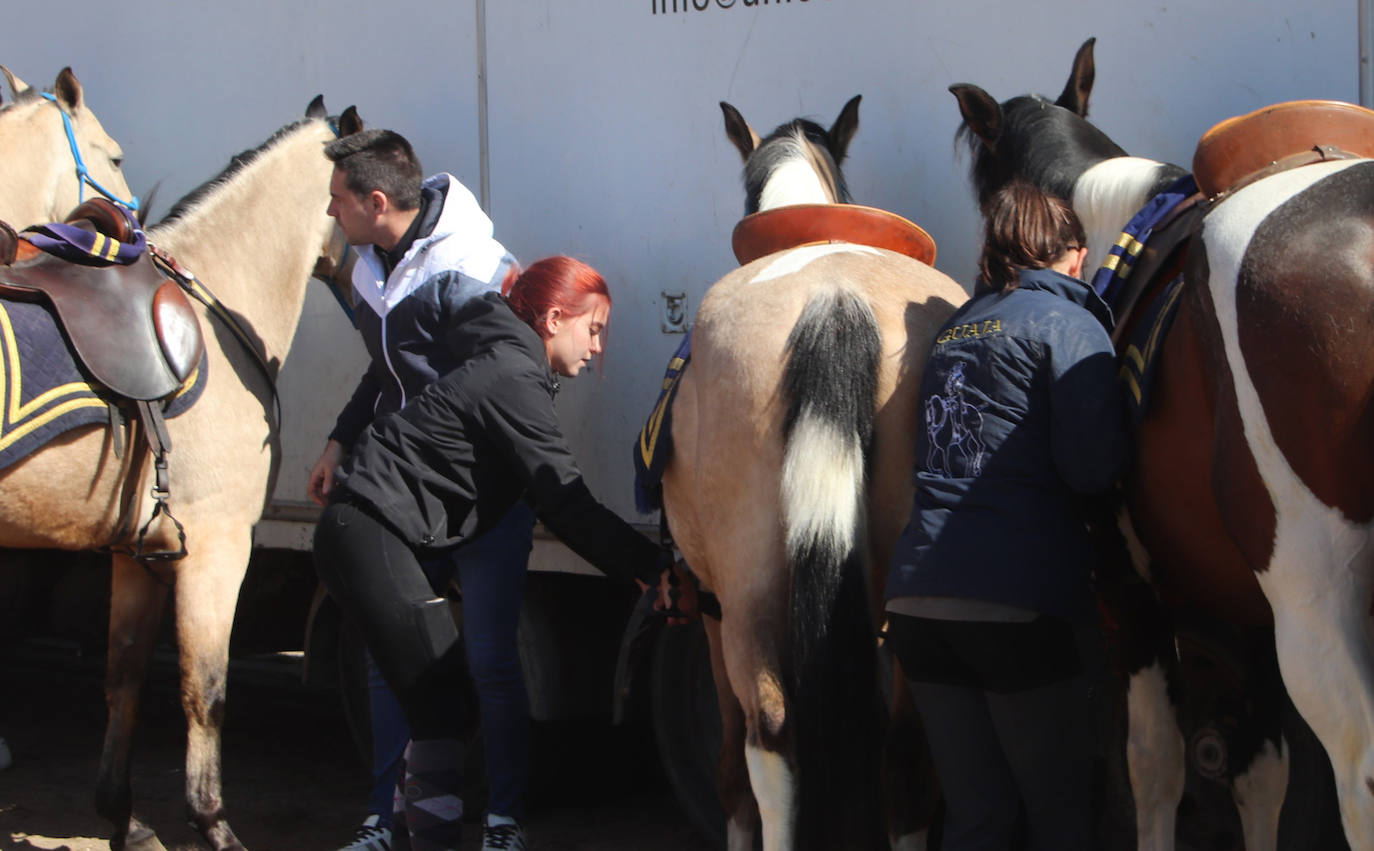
{"points": [[653, 447], [44, 393]]}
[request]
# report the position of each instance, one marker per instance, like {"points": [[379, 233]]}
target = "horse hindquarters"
{"points": [[830, 383], [1291, 279]]}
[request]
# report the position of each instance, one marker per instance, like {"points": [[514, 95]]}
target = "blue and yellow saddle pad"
{"points": [[44, 393], [653, 447], [1140, 355]]}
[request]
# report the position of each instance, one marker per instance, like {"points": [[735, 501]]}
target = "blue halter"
{"points": [[83, 176]]}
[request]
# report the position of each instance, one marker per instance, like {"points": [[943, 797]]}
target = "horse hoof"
{"points": [[142, 838]]}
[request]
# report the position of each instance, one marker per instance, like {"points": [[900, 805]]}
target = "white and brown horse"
{"points": [[793, 433], [1252, 499], [45, 171], [252, 236]]}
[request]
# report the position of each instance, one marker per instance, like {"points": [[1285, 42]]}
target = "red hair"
{"points": [[561, 282]]}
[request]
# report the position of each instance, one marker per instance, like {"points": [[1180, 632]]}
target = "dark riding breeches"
{"points": [[377, 580]]}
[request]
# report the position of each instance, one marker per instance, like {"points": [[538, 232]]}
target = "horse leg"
{"points": [[138, 597], [1258, 789], [750, 657], [732, 774], [1259, 792], [1321, 611], [1141, 641], [1155, 758], [206, 596]]}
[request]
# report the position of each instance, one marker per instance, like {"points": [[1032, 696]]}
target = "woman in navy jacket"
{"points": [[443, 470], [1023, 421]]}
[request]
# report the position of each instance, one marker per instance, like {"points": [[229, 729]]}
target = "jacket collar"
{"points": [[1064, 286]]}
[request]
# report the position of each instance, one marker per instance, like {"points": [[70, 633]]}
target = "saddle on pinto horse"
{"points": [[130, 327], [1145, 270]]}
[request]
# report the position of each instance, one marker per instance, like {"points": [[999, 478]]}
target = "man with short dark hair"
{"points": [[425, 248]]}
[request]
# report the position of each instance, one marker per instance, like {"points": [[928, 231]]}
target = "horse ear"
{"points": [[350, 122], [17, 86], [982, 114], [1075, 95], [843, 130], [67, 89], [316, 108], [738, 131]]}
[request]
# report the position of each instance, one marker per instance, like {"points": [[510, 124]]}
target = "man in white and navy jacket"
{"points": [[425, 249]]}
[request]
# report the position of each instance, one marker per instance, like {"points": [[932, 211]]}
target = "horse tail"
{"points": [[830, 382]]}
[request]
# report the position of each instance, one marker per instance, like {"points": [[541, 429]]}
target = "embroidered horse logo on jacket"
{"points": [[954, 428]]}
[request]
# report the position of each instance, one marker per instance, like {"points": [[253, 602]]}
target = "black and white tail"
{"points": [[830, 383]]}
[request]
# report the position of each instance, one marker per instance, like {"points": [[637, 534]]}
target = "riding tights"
{"points": [[385, 591]]}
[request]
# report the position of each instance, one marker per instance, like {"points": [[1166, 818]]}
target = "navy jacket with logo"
{"points": [[1021, 417]]}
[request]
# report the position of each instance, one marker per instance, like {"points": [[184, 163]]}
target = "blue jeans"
{"points": [[491, 573]]}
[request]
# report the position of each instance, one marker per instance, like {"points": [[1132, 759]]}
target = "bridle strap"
{"points": [[83, 175]]}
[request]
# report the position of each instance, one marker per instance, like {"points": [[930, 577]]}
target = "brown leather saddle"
{"points": [[760, 234], [1247, 147], [132, 328]]}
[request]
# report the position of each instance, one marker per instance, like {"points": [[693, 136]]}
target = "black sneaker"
{"points": [[507, 836], [370, 837]]}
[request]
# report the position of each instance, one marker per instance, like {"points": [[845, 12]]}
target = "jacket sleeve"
{"points": [[358, 413], [521, 421], [1090, 430]]}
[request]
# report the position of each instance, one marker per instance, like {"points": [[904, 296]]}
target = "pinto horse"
{"points": [[40, 178], [1250, 503], [790, 480], [251, 236]]}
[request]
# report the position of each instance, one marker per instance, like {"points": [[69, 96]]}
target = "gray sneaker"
{"points": [[370, 837], [506, 835]]}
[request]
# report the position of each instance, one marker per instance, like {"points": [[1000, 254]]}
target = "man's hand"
{"points": [[322, 474]]}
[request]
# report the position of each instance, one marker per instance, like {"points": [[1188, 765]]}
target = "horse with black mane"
{"points": [[1250, 505]]}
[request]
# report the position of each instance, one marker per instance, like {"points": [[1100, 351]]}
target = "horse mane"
{"points": [[797, 139], [237, 163], [1036, 133], [29, 95]]}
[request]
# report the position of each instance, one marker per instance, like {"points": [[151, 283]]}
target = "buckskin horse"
{"points": [[54, 153], [1251, 499], [251, 236], [790, 479]]}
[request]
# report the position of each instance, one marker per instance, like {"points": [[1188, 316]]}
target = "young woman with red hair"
{"points": [[440, 472]]}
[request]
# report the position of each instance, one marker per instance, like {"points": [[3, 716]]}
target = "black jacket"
{"points": [[452, 462], [1023, 417]]}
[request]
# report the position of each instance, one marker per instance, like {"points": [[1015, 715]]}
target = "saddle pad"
{"points": [[653, 447], [43, 393], [1110, 278], [1141, 356], [761, 234]]}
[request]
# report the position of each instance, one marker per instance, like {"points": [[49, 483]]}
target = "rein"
{"points": [[83, 175]]}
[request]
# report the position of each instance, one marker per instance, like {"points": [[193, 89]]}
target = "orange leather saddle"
{"points": [[760, 234], [1247, 147], [131, 327]]}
